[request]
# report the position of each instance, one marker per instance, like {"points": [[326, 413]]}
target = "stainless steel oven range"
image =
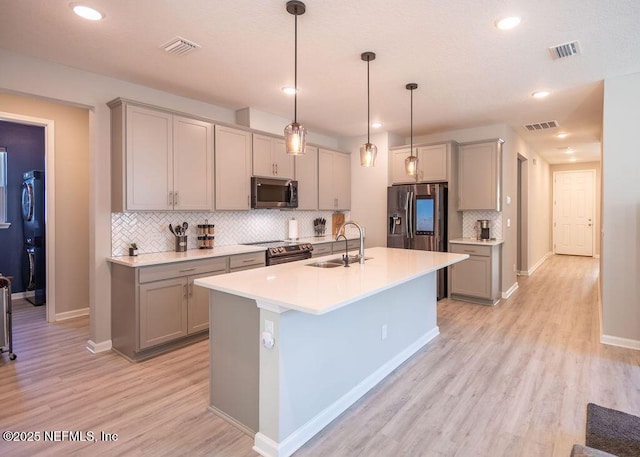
{"points": [[278, 252]]}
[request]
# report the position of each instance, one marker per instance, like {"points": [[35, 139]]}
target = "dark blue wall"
{"points": [[25, 151]]}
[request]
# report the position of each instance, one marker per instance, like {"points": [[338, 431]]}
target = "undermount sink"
{"points": [[337, 262]]}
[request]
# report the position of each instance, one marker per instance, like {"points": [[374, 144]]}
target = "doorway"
{"points": [[573, 212], [49, 153]]}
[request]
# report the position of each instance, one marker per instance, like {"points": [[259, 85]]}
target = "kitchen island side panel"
{"points": [[321, 360], [234, 340]]}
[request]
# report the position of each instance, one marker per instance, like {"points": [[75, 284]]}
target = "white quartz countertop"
{"points": [[157, 258], [475, 241], [313, 290]]}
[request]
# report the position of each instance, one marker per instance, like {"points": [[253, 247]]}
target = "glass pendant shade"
{"points": [[411, 165], [295, 138], [368, 153]]}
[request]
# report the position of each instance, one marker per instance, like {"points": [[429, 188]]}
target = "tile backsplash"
{"points": [[150, 230], [469, 219]]}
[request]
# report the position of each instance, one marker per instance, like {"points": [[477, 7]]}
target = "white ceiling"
{"points": [[469, 73]]}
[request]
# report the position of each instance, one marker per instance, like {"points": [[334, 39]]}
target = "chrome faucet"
{"points": [[361, 250]]}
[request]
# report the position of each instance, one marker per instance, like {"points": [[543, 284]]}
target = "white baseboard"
{"points": [[267, 447], [530, 271], [18, 295], [96, 348], [511, 290], [71, 314], [620, 342]]}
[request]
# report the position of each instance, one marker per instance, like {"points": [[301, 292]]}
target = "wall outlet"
{"points": [[383, 333]]}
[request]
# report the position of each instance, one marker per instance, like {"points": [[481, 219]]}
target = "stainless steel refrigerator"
{"points": [[417, 219]]}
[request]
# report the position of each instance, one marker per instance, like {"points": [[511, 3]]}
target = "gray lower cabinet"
{"points": [[476, 279], [334, 247], [158, 308], [321, 249]]}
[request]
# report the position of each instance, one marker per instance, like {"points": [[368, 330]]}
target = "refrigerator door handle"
{"points": [[406, 215], [411, 197]]}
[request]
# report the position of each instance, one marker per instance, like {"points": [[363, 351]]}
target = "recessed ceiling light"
{"points": [[569, 151], [86, 12], [289, 90], [376, 125], [540, 94], [507, 23], [562, 135], [573, 159]]}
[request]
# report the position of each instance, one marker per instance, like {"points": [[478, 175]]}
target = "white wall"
{"points": [[620, 256]]}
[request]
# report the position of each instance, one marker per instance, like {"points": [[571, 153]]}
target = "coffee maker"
{"points": [[483, 227]]}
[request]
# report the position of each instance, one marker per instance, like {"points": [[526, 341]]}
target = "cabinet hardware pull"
{"points": [[175, 198], [170, 199], [248, 260], [185, 290], [187, 269], [190, 289]]}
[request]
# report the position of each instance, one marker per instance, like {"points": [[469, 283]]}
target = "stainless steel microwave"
{"points": [[274, 193]]}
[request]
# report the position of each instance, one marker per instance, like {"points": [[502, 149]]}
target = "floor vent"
{"points": [[541, 126], [565, 50], [179, 46]]}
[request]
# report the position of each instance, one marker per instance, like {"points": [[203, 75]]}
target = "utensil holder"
{"points": [[319, 229], [181, 243]]}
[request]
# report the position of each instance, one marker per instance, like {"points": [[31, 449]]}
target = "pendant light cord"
{"points": [[295, 71], [368, 106], [411, 152]]}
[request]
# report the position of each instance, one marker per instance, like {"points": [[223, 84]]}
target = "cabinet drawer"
{"points": [[174, 270], [255, 259], [321, 249], [471, 249]]}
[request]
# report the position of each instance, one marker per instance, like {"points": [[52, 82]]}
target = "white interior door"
{"points": [[573, 212]]}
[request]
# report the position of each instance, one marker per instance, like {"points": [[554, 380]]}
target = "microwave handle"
{"points": [[290, 192]]}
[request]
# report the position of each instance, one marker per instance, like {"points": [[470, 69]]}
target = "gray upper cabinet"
{"points": [[306, 172], [334, 180], [270, 157], [233, 168], [480, 175], [434, 163], [160, 161]]}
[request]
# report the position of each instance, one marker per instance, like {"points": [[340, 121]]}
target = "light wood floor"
{"points": [[512, 380]]}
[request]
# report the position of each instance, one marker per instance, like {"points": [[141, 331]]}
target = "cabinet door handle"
{"points": [[175, 198], [248, 260], [273, 168], [170, 199], [276, 169], [187, 269], [190, 289], [185, 290]]}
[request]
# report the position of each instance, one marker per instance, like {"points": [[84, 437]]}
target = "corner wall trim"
{"points": [[620, 342], [96, 348], [531, 270], [511, 290], [71, 314], [267, 447]]}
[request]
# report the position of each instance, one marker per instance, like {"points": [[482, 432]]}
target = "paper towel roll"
{"points": [[293, 229]]}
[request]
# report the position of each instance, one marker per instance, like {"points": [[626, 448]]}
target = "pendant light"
{"points": [[411, 162], [368, 151], [295, 135]]}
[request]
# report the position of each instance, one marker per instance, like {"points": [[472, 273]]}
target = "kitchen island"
{"points": [[292, 346]]}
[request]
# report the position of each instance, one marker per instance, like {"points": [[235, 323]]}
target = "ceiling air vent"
{"points": [[541, 126], [179, 46], [565, 50]]}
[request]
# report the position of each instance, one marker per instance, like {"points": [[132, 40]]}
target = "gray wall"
{"points": [[620, 258]]}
